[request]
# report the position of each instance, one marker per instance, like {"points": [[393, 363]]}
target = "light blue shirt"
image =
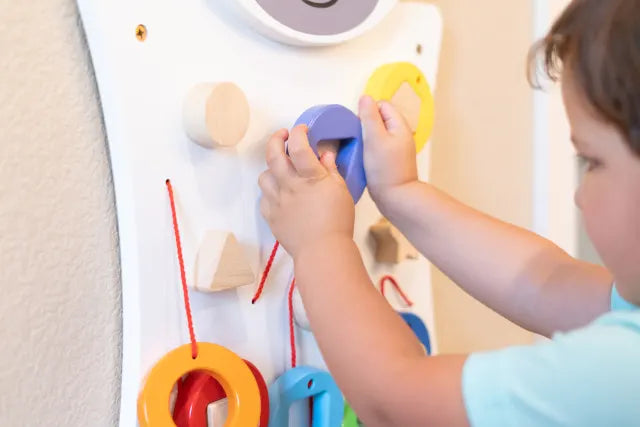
{"points": [[586, 377]]}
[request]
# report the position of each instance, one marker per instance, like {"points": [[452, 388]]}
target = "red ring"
{"points": [[199, 389]]}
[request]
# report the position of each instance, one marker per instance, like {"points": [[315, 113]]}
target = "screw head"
{"points": [[141, 32]]}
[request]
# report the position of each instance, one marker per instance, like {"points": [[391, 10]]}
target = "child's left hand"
{"points": [[304, 200]]}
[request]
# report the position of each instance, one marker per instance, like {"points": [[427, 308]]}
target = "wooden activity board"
{"points": [[147, 56]]}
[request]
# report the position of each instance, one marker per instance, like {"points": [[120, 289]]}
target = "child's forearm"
{"points": [[377, 361], [351, 321], [520, 275]]}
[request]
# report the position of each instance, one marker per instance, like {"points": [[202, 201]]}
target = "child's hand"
{"points": [[389, 149], [304, 199]]}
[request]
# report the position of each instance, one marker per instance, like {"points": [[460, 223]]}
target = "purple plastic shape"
{"points": [[330, 122]]}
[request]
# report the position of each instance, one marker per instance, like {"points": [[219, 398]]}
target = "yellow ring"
{"points": [[386, 81], [225, 366]]}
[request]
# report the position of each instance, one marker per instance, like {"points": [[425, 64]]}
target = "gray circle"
{"points": [[319, 17]]}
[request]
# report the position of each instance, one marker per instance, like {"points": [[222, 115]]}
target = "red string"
{"points": [[395, 285], [292, 335], [292, 338], [267, 269], [183, 276]]}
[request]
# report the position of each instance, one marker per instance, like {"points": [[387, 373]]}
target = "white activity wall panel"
{"points": [[142, 86]]}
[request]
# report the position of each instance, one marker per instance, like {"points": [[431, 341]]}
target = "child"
{"points": [[589, 373]]}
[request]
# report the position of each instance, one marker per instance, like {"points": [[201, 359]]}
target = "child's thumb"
{"points": [[392, 118], [328, 160], [372, 124]]}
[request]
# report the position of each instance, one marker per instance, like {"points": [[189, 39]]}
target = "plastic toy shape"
{"points": [[419, 328], [194, 394], [331, 122], [199, 390], [350, 418], [387, 83], [225, 366], [301, 383]]}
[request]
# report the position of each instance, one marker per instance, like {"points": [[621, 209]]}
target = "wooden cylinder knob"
{"points": [[216, 114]]}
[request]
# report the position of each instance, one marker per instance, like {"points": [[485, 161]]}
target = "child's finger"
{"points": [[328, 160], [372, 123], [277, 160], [302, 156], [268, 184], [393, 120], [265, 208]]}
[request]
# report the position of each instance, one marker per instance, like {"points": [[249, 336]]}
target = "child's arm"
{"points": [[520, 275], [378, 363], [376, 360]]}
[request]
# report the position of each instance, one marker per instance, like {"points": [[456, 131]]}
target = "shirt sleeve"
{"points": [[589, 377]]}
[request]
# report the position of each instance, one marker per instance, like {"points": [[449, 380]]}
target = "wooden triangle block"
{"points": [[391, 245], [407, 101], [221, 263]]}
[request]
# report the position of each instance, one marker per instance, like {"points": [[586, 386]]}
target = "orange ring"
{"points": [[226, 367]]}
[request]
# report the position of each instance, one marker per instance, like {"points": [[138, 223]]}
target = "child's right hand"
{"points": [[389, 150]]}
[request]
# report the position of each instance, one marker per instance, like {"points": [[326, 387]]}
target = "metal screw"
{"points": [[141, 32]]}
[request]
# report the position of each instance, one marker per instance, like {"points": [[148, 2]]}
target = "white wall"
{"points": [[556, 174], [482, 146], [555, 169]]}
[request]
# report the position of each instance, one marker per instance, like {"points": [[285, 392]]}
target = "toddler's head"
{"points": [[594, 50]]}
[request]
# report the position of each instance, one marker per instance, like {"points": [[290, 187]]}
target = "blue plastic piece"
{"points": [[419, 328], [328, 122], [301, 383]]}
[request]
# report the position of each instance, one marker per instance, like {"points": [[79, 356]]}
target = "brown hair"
{"points": [[599, 41]]}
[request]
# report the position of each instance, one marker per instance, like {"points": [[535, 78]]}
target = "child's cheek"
{"points": [[600, 212], [611, 220]]}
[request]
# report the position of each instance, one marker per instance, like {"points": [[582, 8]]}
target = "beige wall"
{"points": [[59, 280], [60, 318], [482, 146]]}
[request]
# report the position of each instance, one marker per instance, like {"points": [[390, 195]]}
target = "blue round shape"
{"points": [[329, 122], [301, 383], [419, 328]]}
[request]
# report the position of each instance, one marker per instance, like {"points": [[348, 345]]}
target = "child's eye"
{"points": [[588, 163]]}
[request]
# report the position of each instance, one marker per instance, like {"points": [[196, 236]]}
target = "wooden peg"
{"points": [[221, 263], [407, 101], [391, 245], [216, 114], [217, 413]]}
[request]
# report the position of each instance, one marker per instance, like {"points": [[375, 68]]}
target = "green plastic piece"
{"points": [[350, 418]]}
